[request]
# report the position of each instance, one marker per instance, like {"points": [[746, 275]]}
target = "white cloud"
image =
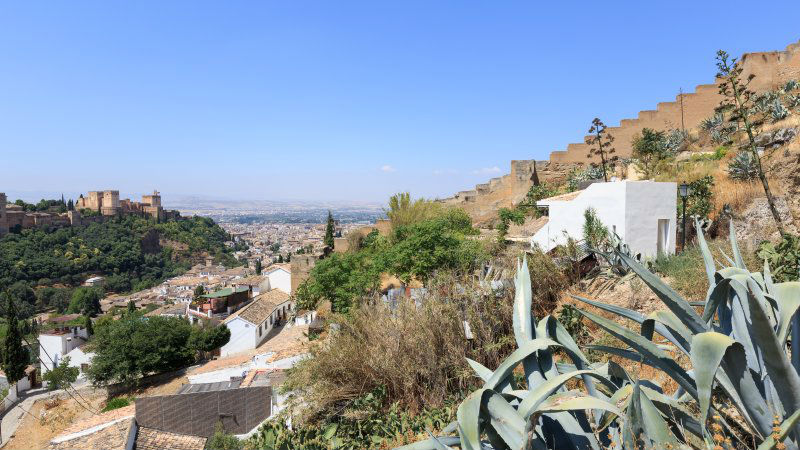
{"points": [[487, 171], [388, 168]]}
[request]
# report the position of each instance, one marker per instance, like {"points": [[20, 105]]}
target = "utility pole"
{"points": [[683, 125]]}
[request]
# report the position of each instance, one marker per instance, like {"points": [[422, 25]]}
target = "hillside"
{"points": [[772, 70], [132, 252]]}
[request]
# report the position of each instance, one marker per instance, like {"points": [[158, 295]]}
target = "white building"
{"points": [[280, 277], [55, 344], [80, 359], [642, 213], [250, 325]]}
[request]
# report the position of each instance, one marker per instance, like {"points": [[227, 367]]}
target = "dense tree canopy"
{"points": [[420, 244], [135, 346], [125, 251]]}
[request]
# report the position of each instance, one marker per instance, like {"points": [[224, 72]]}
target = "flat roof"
{"points": [[226, 292], [209, 387]]}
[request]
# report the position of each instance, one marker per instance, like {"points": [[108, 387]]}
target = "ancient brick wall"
{"points": [[771, 70]]}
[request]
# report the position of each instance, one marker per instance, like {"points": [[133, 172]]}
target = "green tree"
{"points": [[199, 291], [507, 216], [600, 142], [740, 100], [61, 375], [329, 230], [15, 355], [134, 346], [258, 267], [85, 300], [649, 149], [208, 338], [339, 278], [280, 259], [87, 323], [131, 307]]}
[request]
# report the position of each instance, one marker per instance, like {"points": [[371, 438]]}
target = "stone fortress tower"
{"points": [[3, 216]]}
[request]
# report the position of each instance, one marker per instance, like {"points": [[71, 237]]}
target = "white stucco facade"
{"points": [[279, 278], [246, 335], [642, 213], [53, 346]]}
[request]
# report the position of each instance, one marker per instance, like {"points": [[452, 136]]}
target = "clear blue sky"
{"points": [[337, 99]]}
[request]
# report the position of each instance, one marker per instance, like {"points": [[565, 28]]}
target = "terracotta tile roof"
{"points": [[111, 437], [152, 439], [262, 306], [114, 414]]}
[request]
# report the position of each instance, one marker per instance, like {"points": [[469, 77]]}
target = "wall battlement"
{"points": [[771, 70]]}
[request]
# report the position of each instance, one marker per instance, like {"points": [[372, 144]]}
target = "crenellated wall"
{"points": [[771, 70]]}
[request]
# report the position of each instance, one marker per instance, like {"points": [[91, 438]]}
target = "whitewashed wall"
{"points": [[630, 208], [243, 337]]}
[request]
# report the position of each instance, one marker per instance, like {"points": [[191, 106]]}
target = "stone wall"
{"points": [[771, 70], [301, 266], [3, 217]]}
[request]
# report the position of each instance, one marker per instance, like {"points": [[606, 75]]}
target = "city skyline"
{"points": [[348, 102]]}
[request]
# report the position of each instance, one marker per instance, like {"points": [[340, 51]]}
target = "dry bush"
{"points": [[416, 352], [737, 194]]}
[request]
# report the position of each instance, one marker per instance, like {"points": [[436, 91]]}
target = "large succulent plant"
{"points": [[612, 409], [743, 166], [737, 344]]}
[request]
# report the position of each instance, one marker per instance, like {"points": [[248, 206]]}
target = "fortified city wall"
{"points": [[771, 70]]}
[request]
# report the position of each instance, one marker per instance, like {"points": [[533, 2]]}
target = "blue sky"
{"points": [[337, 100]]}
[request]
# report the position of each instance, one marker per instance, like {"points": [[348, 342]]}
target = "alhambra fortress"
{"points": [[96, 206], [771, 70]]}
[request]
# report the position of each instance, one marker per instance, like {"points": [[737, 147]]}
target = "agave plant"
{"points": [[743, 167], [713, 122], [778, 111], [791, 85], [737, 345], [612, 410]]}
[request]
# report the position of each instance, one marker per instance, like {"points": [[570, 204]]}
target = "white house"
{"points": [[250, 325], [80, 359], [55, 344], [642, 213], [280, 277]]}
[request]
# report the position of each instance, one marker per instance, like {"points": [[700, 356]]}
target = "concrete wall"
{"points": [[648, 202], [243, 337], [629, 208], [280, 279]]}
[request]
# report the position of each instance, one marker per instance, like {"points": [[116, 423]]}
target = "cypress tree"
{"points": [[328, 241], [88, 325], [15, 356]]}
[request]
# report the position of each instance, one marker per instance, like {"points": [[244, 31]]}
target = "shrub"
{"points": [[416, 351], [595, 234], [221, 440], [743, 167], [783, 257], [366, 423], [116, 403]]}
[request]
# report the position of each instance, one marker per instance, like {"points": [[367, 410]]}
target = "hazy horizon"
{"points": [[345, 101]]}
